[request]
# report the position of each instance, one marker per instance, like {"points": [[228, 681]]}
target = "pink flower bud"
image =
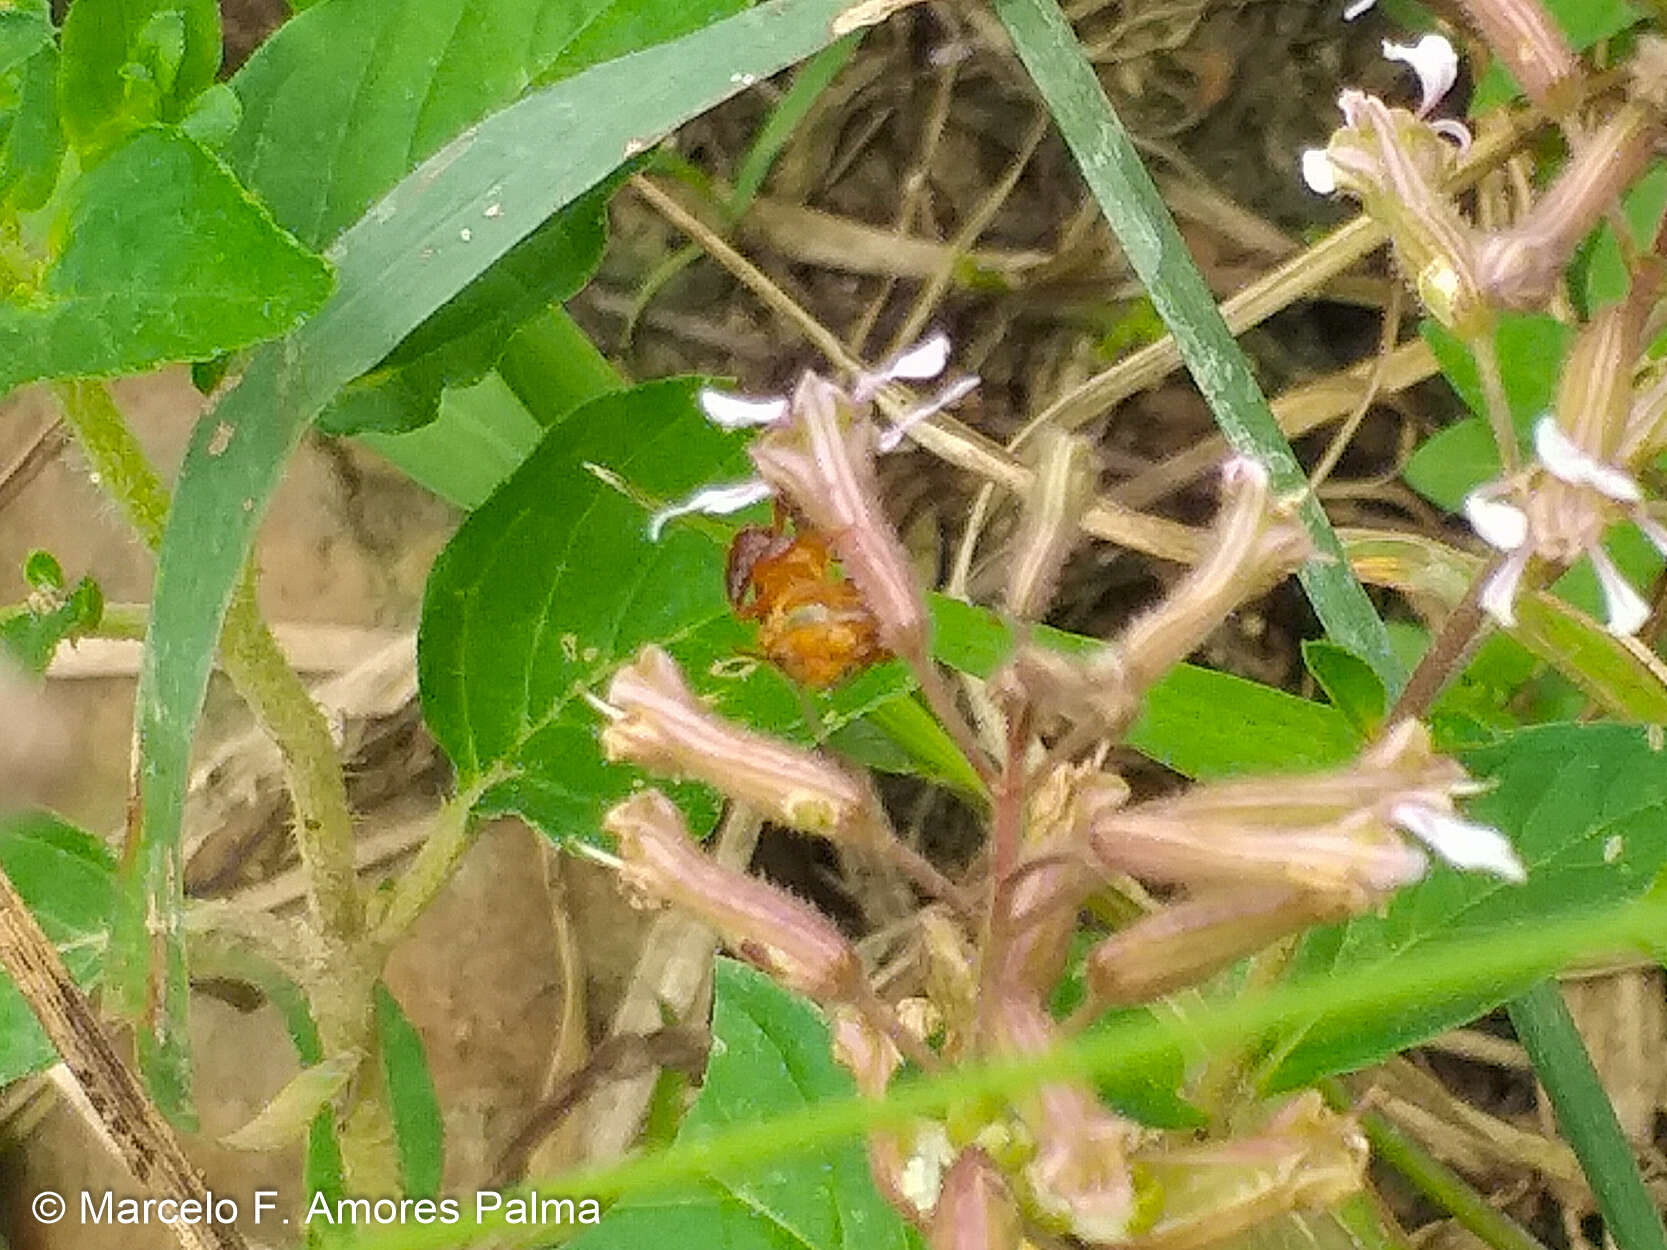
{"points": [[1187, 942], [784, 936], [821, 459], [864, 1051], [1254, 547], [1520, 267], [659, 725], [975, 1209], [1524, 36], [1067, 472]]}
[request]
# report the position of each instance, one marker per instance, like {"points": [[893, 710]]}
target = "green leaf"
{"points": [[321, 139], [419, 1130], [1583, 804], [1452, 462], [322, 1170], [34, 146], [1157, 253], [166, 258], [128, 63], [65, 876], [30, 635], [462, 342], [214, 117], [25, 29], [1206, 725], [399, 263], [553, 582], [482, 433], [1584, 22], [1627, 679], [1349, 682], [770, 1056]]}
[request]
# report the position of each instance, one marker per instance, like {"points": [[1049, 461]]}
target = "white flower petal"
{"points": [[1457, 131], [920, 363], [1618, 484], [737, 412], [1568, 462], [889, 440], [1623, 605], [1318, 172], [1432, 58], [1354, 8], [1652, 529], [1499, 595], [712, 501], [1462, 843], [1502, 526]]}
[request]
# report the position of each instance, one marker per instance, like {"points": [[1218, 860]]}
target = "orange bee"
{"points": [[812, 623]]}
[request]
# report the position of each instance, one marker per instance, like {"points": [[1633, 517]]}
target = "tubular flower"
{"points": [[1080, 1176], [1395, 163], [908, 1163], [1522, 34], [785, 937], [1337, 835], [816, 450], [1559, 508], [1186, 942], [658, 724], [975, 1210], [822, 462], [1521, 267], [1305, 1156], [1255, 544], [1067, 471]]}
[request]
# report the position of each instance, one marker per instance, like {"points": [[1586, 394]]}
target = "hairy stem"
{"points": [[1448, 652], [285, 710]]}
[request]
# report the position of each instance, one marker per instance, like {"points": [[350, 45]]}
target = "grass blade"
{"points": [[1462, 965], [1155, 250], [1587, 1118]]}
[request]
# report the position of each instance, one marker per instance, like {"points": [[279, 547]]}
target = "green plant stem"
{"points": [[252, 659], [449, 837], [1448, 652], [323, 821], [280, 702], [1158, 255], [1433, 1178], [1586, 1118]]}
